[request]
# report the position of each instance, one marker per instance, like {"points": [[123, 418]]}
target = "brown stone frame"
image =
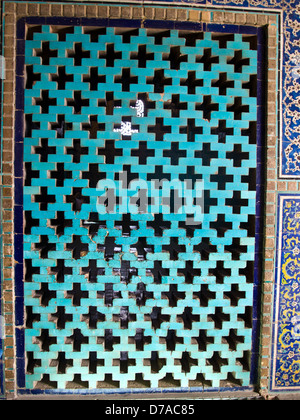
{"points": [[12, 12]]}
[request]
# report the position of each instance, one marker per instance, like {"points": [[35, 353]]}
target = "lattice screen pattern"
{"points": [[138, 300]]}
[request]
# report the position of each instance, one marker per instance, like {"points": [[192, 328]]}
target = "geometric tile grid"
{"points": [[138, 300], [286, 319]]}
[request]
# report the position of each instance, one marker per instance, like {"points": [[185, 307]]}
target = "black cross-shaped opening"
{"points": [[94, 33], [221, 225], [93, 271], [223, 84], [187, 317], [251, 85], [221, 178], [175, 105], [60, 222], [250, 179], [93, 175], [172, 340], [250, 132], [45, 294], [221, 131], [109, 103], [94, 78], [93, 126], [140, 339], [44, 150], [236, 202], [159, 81], [238, 108], [62, 362], [220, 272], [61, 270], [191, 37], [238, 61], [204, 295], [205, 248], [93, 224], [61, 317], [93, 362], [93, 317], [60, 126], [189, 272], [109, 294], [142, 56], [206, 154], [77, 247], [30, 125], [62, 78], [173, 295], [44, 198], [222, 39], [216, 361], [235, 294], [45, 102], [77, 339], [60, 174], [175, 57], [157, 272], [110, 151], [77, 199], [191, 82], [125, 271], [109, 248], [209, 201], [31, 317], [236, 249], [203, 340], [125, 362], [157, 318], [207, 59], [159, 35], [141, 248], [78, 54], [76, 294], [110, 340], [159, 224], [174, 248], [126, 224], [143, 152], [187, 362], [45, 340], [77, 102], [76, 151], [32, 362], [141, 294], [174, 153], [159, 129], [31, 77], [191, 130], [110, 55], [30, 222], [126, 79], [237, 155], [156, 362], [233, 339], [46, 53], [219, 317], [207, 106]]}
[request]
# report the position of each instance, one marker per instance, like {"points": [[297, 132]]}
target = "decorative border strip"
{"points": [[14, 10], [285, 373]]}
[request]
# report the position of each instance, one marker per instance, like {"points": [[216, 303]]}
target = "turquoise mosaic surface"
{"points": [[138, 299]]}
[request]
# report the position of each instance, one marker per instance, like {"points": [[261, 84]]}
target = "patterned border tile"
{"points": [[285, 373]]}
